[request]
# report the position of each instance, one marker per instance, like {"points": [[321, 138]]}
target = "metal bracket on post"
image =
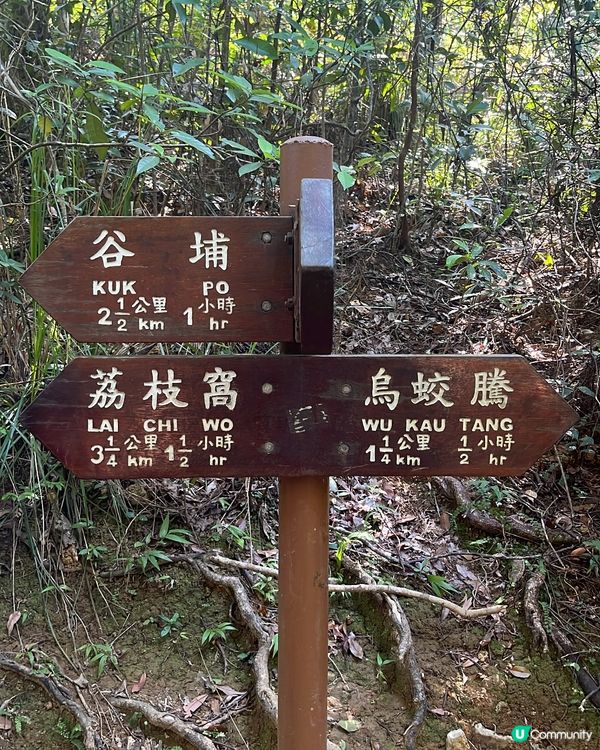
{"points": [[313, 263]]}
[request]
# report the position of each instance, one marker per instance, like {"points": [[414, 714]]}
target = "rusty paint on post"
{"points": [[304, 517], [130, 417], [302, 157], [184, 278]]}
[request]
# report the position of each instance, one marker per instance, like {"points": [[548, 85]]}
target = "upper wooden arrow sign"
{"points": [[252, 416], [118, 279]]}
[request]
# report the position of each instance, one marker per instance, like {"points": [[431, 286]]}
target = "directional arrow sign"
{"points": [[117, 279], [251, 416]]}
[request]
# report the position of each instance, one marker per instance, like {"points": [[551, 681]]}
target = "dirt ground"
{"points": [[484, 671]]}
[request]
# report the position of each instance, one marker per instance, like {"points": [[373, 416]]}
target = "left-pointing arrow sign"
{"points": [[123, 279]]}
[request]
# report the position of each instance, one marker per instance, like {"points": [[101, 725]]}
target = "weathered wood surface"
{"points": [[169, 279], [405, 415]]}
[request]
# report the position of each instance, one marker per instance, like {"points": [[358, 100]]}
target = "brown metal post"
{"points": [[303, 537]]}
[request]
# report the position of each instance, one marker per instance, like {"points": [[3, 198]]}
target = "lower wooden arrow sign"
{"points": [[128, 417]]}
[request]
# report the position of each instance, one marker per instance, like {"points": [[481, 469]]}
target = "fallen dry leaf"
{"points": [[349, 725], [354, 647], [139, 685], [193, 705], [445, 521], [465, 573], [334, 706], [13, 619], [519, 672], [579, 552], [122, 689], [5, 723], [228, 691]]}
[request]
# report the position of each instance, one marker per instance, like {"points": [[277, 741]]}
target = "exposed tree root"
{"points": [[533, 612], [228, 562], [264, 692], [91, 739], [455, 490], [590, 686], [403, 643], [164, 720], [374, 588], [533, 616], [62, 696], [459, 495]]}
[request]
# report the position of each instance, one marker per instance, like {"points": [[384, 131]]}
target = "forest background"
{"points": [[467, 172]]}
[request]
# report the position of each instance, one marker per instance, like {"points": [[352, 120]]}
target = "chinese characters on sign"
{"points": [[216, 304], [141, 449], [110, 257], [490, 435], [257, 415], [170, 279]]}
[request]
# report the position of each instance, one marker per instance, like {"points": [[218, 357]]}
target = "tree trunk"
{"points": [[401, 233]]}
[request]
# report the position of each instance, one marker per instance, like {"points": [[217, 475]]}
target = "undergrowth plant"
{"points": [[217, 632], [72, 733], [101, 656], [472, 264], [150, 551]]}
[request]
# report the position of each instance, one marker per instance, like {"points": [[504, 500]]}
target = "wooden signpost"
{"points": [[299, 416]]}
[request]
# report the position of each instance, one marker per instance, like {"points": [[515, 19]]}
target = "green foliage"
{"points": [[345, 175], [172, 625], [148, 558], [490, 494], [94, 552], [149, 551], [471, 264], [73, 733], [231, 535], [440, 586], [346, 541], [216, 632], [100, 655], [380, 663], [17, 718], [267, 588]]}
